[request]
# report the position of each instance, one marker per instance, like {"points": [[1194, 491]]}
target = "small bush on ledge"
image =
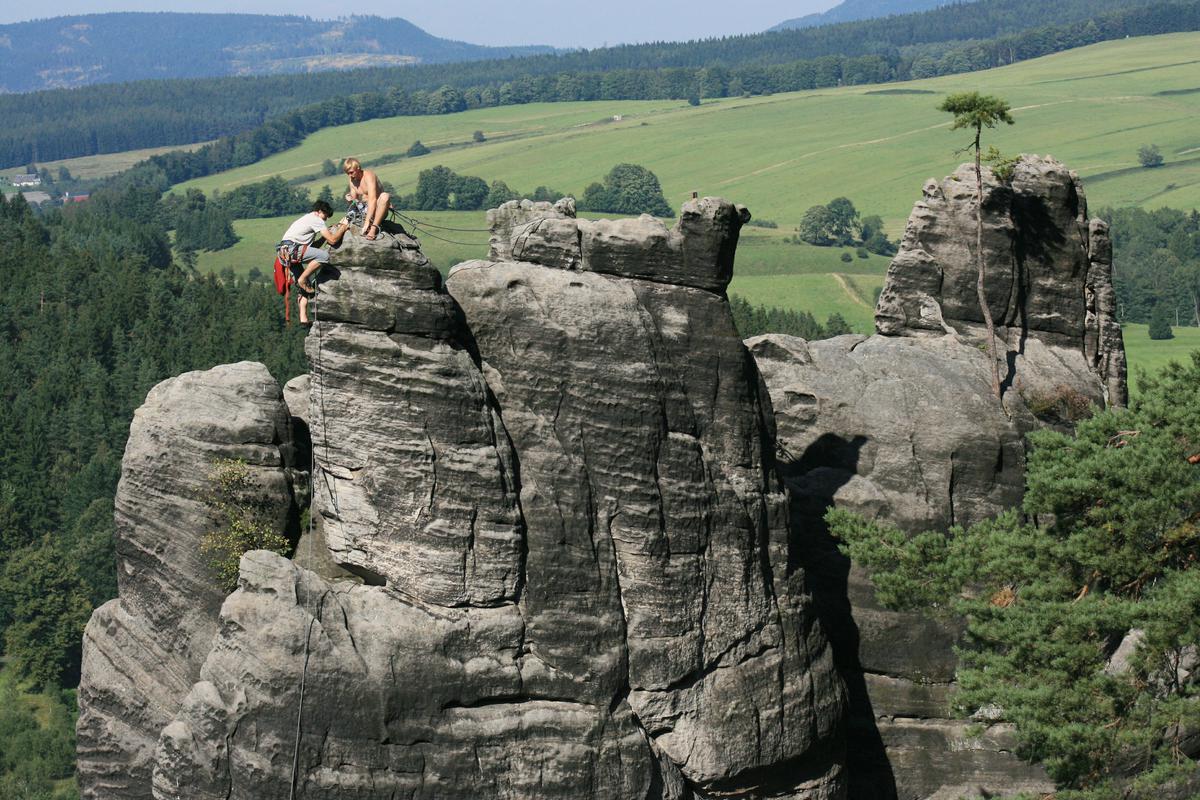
{"points": [[1061, 404], [244, 520]]}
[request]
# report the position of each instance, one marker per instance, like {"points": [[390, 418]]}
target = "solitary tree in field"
{"points": [[1150, 156], [974, 110]]}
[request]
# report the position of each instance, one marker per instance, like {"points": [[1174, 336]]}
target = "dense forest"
{"points": [[262, 115], [851, 10], [94, 312], [108, 48], [1156, 264]]}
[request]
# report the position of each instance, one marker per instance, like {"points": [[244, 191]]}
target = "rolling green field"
{"points": [[1091, 108], [101, 166], [1147, 354]]}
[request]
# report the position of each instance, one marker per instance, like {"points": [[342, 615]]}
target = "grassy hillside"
{"points": [[1147, 354], [780, 154]]}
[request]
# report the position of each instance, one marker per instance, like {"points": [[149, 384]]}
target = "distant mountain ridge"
{"points": [[65, 52], [853, 10]]}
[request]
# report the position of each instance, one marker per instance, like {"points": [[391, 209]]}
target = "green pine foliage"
{"points": [[1103, 550], [93, 313], [46, 605], [752, 320], [36, 755], [1160, 324]]}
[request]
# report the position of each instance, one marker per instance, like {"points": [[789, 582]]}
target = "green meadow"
{"points": [[102, 166], [779, 154], [1091, 108], [1146, 354]]}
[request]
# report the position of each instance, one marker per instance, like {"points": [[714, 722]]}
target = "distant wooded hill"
{"points": [[852, 10], [109, 48], [270, 113]]}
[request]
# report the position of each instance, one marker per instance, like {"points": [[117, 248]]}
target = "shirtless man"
{"points": [[364, 185]]}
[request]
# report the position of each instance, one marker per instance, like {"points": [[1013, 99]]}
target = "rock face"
{"points": [[557, 482], [567, 536], [1049, 276], [902, 426], [143, 652]]}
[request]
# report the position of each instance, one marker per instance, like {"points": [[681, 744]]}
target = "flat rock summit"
{"points": [[564, 532]]}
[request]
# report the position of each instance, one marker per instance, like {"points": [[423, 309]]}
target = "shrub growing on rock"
{"points": [[1080, 606], [243, 521]]}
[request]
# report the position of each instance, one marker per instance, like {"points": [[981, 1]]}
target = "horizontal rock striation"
{"points": [[416, 488], [143, 652], [557, 481], [903, 427], [669, 470], [697, 252]]}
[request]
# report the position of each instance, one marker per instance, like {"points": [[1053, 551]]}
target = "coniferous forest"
{"points": [[93, 313]]}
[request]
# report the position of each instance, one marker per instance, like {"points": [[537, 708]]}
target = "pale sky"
{"points": [[553, 22]]}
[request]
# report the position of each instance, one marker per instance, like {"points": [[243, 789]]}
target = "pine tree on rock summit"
{"points": [[973, 110]]}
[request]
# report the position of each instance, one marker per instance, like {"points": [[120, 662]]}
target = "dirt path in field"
{"points": [[849, 290]]}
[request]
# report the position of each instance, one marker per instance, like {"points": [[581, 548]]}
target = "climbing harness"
{"points": [[356, 214], [288, 256]]}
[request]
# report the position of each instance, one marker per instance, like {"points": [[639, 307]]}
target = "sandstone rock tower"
{"points": [[556, 487], [902, 426], [567, 536]]}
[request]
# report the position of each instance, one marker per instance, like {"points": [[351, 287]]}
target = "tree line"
{"points": [[626, 189], [1156, 264], [253, 117]]}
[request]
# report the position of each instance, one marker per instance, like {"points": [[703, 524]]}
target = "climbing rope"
{"points": [[311, 516], [313, 620], [330, 488], [416, 222], [433, 235]]}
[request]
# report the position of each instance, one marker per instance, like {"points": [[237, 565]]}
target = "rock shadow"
{"points": [[813, 478]]}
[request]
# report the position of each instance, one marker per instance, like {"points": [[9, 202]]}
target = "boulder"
{"points": [[143, 651]]}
